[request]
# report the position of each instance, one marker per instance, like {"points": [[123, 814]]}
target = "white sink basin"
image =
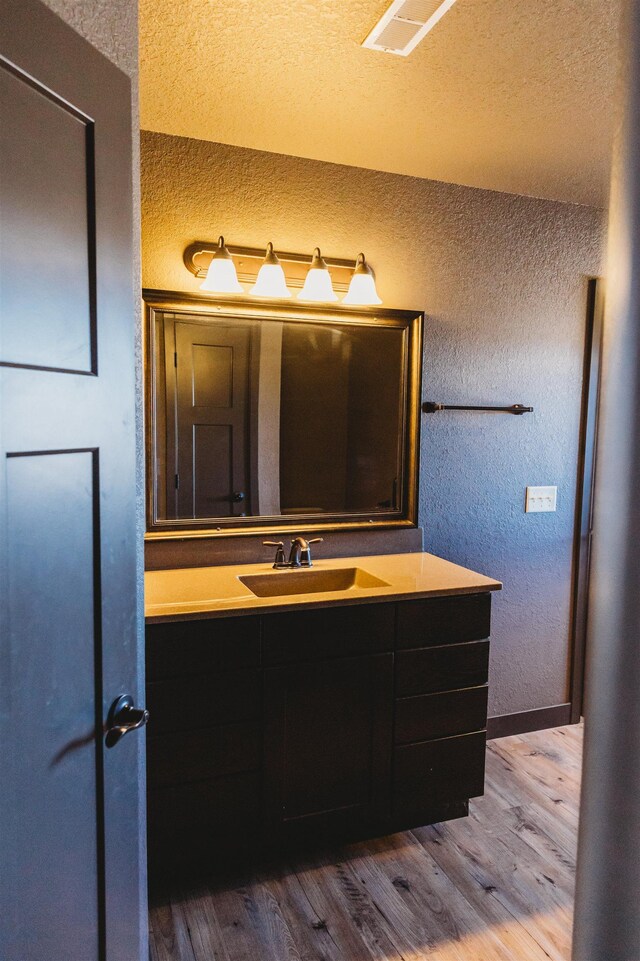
{"points": [[296, 582]]}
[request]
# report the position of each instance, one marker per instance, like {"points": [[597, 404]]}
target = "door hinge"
{"points": [[177, 481], [175, 359]]}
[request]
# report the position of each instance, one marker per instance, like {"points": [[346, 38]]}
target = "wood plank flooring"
{"points": [[496, 886]]}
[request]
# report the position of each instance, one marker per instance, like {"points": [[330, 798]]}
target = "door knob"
{"points": [[122, 718], [238, 497]]}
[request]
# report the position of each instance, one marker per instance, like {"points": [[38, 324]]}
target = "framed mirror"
{"points": [[265, 416]]}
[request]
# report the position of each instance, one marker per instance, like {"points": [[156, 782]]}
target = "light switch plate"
{"points": [[540, 499]]}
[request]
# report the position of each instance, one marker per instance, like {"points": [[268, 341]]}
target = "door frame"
{"points": [[586, 473], [571, 710]]}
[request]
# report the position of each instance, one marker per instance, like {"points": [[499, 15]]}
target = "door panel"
{"points": [[72, 862], [212, 376], [211, 418], [44, 208], [213, 463], [56, 663]]}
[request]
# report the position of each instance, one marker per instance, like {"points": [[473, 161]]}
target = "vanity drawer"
{"points": [[442, 668], [188, 703], [185, 756], [443, 620], [328, 632], [181, 648], [435, 772], [430, 716]]}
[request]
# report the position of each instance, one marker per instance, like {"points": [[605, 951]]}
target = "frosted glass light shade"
{"points": [[270, 281], [317, 285], [221, 276], [362, 289]]}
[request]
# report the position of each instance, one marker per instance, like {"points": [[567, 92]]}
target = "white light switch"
{"points": [[541, 499]]}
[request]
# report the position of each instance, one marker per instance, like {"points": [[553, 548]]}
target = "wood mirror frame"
{"points": [[159, 302]]}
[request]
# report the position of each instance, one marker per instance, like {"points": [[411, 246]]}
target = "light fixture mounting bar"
{"points": [[248, 260]]}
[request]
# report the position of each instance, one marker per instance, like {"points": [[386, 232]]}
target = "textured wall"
{"points": [[110, 25], [503, 281]]}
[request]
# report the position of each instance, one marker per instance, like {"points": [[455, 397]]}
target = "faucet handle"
{"points": [[305, 553], [280, 560]]}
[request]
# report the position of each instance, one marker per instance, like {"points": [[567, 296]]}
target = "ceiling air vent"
{"points": [[405, 23]]}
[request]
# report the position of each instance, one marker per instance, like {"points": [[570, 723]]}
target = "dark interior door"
{"points": [[70, 809], [212, 412]]}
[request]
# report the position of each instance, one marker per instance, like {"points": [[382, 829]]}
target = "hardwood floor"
{"points": [[496, 886]]}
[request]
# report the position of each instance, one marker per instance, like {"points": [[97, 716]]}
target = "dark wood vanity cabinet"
{"points": [[285, 728]]}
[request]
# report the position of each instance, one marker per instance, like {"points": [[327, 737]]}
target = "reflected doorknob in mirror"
{"points": [[122, 718], [238, 497]]}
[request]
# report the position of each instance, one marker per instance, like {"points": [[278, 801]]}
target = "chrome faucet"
{"points": [[299, 555]]}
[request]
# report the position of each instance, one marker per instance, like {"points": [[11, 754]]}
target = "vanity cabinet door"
{"points": [[328, 737], [204, 744]]}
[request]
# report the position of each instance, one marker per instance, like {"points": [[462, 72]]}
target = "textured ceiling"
{"points": [[512, 95]]}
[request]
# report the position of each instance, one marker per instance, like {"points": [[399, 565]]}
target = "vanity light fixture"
{"points": [[281, 276], [270, 281], [221, 276], [317, 285], [362, 289]]}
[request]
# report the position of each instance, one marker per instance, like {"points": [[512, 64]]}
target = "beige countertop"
{"points": [[203, 592]]}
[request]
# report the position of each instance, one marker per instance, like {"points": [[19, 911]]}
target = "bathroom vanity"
{"points": [[282, 720], [296, 707]]}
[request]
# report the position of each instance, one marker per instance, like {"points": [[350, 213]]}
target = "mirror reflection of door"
{"points": [[275, 413], [209, 471]]}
